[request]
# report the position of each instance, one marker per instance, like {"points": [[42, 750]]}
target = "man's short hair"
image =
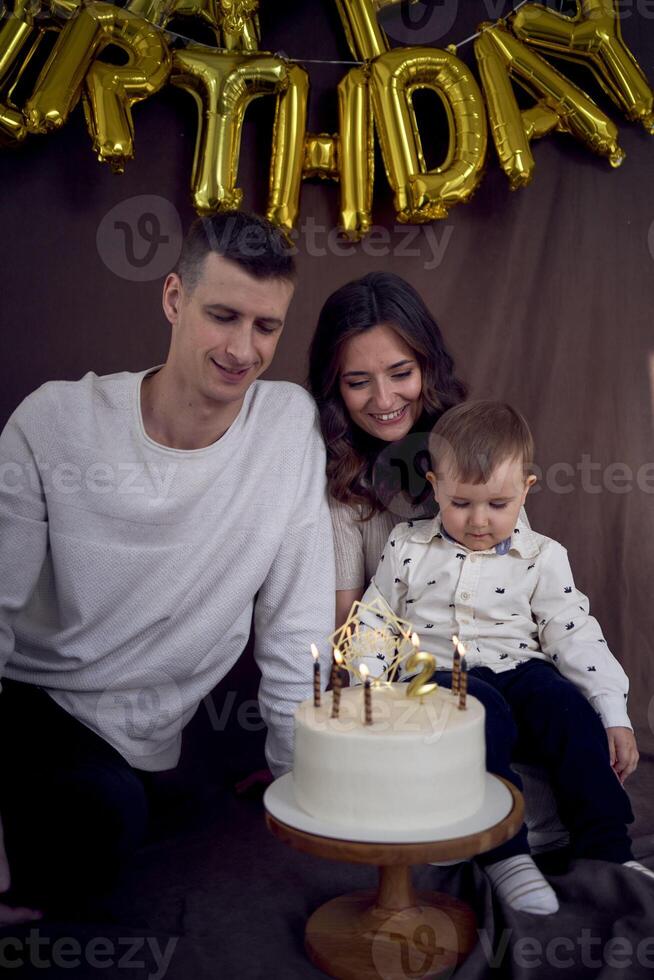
{"points": [[259, 247], [473, 438]]}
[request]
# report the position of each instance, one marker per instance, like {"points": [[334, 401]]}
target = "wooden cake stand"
{"points": [[393, 933]]}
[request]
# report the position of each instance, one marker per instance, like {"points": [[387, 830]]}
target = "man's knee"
{"points": [[114, 799], [90, 807]]}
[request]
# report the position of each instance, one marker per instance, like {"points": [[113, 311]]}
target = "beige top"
{"points": [[358, 545]]}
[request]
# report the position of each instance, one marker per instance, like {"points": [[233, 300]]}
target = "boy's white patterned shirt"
{"points": [[505, 608]]}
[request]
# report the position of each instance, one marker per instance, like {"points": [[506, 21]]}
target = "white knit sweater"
{"points": [[129, 570]]}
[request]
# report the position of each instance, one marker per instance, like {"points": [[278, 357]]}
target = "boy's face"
{"points": [[480, 515]]}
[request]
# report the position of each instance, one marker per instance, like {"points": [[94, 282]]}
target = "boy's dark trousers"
{"points": [[535, 715]]}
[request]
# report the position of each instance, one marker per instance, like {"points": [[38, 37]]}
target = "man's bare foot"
{"points": [[10, 916]]}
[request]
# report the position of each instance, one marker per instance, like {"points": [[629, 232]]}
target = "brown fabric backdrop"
{"points": [[544, 295]]}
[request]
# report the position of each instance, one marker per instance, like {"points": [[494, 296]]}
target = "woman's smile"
{"points": [[391, 417]]}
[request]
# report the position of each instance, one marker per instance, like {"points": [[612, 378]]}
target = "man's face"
{"points": [[225, 330], [481, 515]]}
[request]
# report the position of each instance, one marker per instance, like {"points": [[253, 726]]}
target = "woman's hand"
{"points": [[623, 751], [344, 600]]}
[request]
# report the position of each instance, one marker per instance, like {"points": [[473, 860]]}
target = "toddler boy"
{"points": [[535, 657]]}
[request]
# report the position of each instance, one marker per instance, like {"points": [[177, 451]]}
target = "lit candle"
{"points": [[456, 665], [337, 683], [316, 675], [367, 693], [463, 687]]}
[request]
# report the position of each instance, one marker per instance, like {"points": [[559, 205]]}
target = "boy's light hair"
{"points": [[473, 438]]}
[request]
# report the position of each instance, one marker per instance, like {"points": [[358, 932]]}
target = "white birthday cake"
{"points": [[420, 764]]}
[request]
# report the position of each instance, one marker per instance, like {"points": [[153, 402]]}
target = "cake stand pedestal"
{"points": [[393, 933]]}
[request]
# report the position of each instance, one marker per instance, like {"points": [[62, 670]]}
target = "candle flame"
{"points": [[314, 652], [415, 640], [455, 640], [363, 670], [460, 648], [338, 657]]}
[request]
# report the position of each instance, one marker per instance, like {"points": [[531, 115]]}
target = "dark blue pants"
{"points": [[72, 808], [537, 716]]}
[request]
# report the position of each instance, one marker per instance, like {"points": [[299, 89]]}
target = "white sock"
{"points": [[518, 882], [637, 866]]}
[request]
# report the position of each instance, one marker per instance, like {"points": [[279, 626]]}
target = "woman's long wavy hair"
{"points": [[375, 299]]}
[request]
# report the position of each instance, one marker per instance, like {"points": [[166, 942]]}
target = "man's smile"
{"points": [[230, 373]]}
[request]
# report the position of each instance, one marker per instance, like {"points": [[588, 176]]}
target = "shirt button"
{"points": [[465, 595], [474, 558]]}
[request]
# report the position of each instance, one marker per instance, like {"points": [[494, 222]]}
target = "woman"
{"points": [[381, 376]]}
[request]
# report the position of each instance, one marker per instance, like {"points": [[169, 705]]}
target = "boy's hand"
{"points": [[623, 751]]}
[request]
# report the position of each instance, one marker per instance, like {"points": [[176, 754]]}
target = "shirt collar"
{"points": [[523, 540]]}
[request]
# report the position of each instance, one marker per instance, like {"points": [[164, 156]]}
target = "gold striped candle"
{"points": [[367, 694], [463, 686], [337, 683], [456, 665]]}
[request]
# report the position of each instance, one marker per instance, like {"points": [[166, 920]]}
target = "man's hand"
{"points": [[623, 751], [8, 914], [5, 877]]}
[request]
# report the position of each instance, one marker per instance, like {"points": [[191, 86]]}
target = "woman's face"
{"points": [[381, 383]]}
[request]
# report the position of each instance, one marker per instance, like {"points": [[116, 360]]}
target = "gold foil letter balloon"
{"points": [[422, 195], [19, 38], [593, 38], [356, 156], [561, 105], [365, 37], [223, 85], [348, 157], [111, 90]]}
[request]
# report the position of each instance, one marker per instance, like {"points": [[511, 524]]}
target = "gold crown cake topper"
{"points": [[384, 646]]}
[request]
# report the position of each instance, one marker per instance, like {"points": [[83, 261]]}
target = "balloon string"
{"points": [[473, 37], [323, 61]]}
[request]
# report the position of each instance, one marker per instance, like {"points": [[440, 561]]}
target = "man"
{"points": [[141, 515]]}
